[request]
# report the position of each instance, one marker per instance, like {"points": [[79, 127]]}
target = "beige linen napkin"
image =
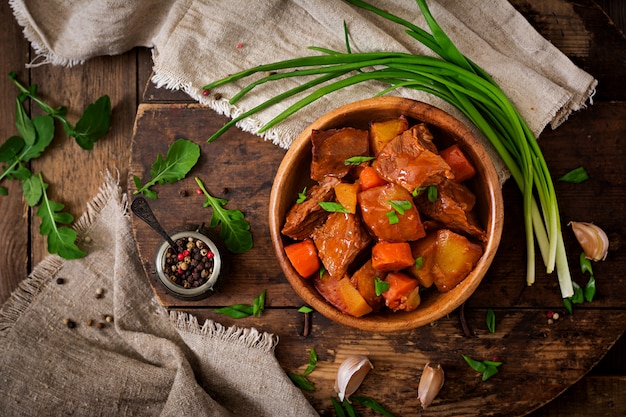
{"points": [[195, 42], [143, 363]]}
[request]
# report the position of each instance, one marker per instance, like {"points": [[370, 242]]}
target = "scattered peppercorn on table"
{"points": [[553, 363]]}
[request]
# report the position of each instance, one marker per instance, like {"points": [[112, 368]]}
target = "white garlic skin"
{"points": [[351, 374], [592, 239], [430, 384]]}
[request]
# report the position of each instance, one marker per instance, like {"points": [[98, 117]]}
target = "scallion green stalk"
{"points": [[453, 78]]}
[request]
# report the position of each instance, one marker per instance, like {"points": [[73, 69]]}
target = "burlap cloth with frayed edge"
{"points": [[146, 363]]}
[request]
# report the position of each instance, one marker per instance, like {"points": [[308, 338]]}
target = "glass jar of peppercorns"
{"points": [[191, 269]]}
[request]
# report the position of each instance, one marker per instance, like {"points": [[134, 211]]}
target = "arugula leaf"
{"points": [[10, 148], [24, 124], [93, 124], [60, 239], [234, 229], [32, 190], [486, 368], [16, 152], [181, 156]]}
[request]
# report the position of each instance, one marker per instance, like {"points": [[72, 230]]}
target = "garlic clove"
{"points": [[592, 239], [351, 374], [430, 384]]}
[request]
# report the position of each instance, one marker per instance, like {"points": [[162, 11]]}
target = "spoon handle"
{"points": [[142, 209]]}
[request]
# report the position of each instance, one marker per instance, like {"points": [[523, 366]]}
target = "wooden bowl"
{"points": [[293, 175]]}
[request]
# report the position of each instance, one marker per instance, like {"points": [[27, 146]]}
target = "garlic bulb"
{"points": [[430, 384], [350, 374], [592, 239]]}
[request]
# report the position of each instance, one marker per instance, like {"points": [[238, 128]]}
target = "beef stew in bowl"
{"points": [[379, 186]]}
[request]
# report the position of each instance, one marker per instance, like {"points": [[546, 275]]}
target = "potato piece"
{"points": [[364, 279], [454, 259], [341, 294], [382, 132], [425, 249], [346, 196]]}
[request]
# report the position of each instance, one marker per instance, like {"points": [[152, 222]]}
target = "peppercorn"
{"points": [[60, 281], [99, 292], [69, 323]]}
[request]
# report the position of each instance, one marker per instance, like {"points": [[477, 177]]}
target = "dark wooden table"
{"points": [[574, 366]]}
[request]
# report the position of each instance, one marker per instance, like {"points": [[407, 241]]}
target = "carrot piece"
{"points": [[403, 292], [303, 257], [392, 256], [368, 178], [461, 166]]}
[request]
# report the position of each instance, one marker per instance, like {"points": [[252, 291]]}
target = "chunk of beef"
{"points": [[304, 217], [339, 241], [375, 204], [453, 208], [411, 161], [332, 147]]}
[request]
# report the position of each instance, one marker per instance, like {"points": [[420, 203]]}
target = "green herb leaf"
{"points": [[585, 265], [489, 372], [349, 408], [24, 124], [93, 124], [393, 218], [181, 156], [322, 271], [234, 229], [60, 239], [432, 193], [478, 366], [259, 304], [301, 196], [10, 148], [578, 297], [419, 262], [333, 207], [417, 191], [590, 289], [369, 402], [236, 311], [338, 408], [312, 362], [491, 320], [400, 205], [567, 303], [356, 160], [301, 381], [576, 176], [305, 309], [31, 187], [380, 286]]}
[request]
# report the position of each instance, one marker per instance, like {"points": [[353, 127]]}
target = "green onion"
{"points": [[453, 78]]}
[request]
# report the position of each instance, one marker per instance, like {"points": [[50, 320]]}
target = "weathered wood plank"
{"points": [[541, 360], [74, 174], [13, 220]]}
